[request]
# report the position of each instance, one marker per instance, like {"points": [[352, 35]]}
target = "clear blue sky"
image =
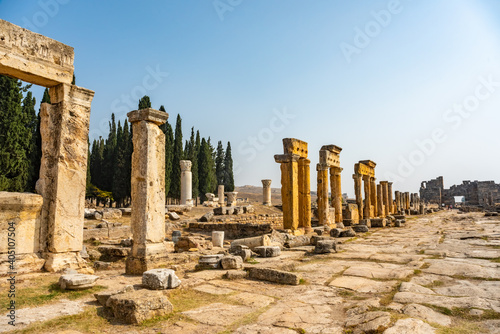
{"points": [[373, 77]]}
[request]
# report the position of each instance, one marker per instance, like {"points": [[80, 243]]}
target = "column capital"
{"points": [[148, 114], [283, 158], [266, 182], [185, 165]]}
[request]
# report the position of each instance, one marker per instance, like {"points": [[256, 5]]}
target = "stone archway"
{"points": [[64, 127]]}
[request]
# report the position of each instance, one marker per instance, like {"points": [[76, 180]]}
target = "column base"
{"points": [[366, 222], [267, 204], [25, 263], [55, 262], [145, 258]]}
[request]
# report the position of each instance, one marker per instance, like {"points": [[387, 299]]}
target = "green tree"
{"points": [[169, 153], [175, 185], [228, 169], [32, 123], [191, 154], [120, 165], [15, 137], [219, 163], [109, 157], [144, 102], [205, 170]]}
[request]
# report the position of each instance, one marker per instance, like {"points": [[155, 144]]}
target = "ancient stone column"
{"points": [[380, 199], [391, 200], [266, 192], [323, 203], [64, 129], [357, 192], [385, 197], [289, 189], [186, 183], [367, 207], [397, 195], [148, 190], [336, 189], [231, 198], [373, 199], [304, 183], [407, 196], [220, 192]]}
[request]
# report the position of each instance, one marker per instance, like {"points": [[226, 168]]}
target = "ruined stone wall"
{"points": [[235, 230], [482, 193], [431, 191]]}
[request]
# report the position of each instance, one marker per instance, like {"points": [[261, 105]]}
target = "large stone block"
{"points": [[382, 222], [34, 58], [77, 281], [253, 242], [325, 246], [137, 306], [231, 262], [20, 216], [268, 251], [160, 279], [209, 261], [275, 276]]}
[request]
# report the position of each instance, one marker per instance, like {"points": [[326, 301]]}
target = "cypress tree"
{"points": [[228, 169], [120, 165], [109, 156], [37, 154], [205, 170], [219, 163], [15, 137], [175, 185], [213, 177], [32, 124], [169, 156], [128, 157], [144, 102]]}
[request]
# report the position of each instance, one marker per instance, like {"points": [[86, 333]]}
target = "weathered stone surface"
{"points": [[103, 297], [34, 58], [252, 242], [58, 261], [370, 322], [231, 262], [20, 212], [275, 276], [248, 209], [268, 251], [298, 241], [364, 285], [179, 209], [218, 314], [207, 217], [410, 325], [348, 233], [209, 261], [173, 216], [335, 232], [77, 281], [160, 279], [113, 251], [126, 211], [236, 274], [379, 270], [101, 265], [218, 238], [378, 222], [444, 301], [111, 213], [360, 228], [427, 314], [325, 246], [184, 244], [25, 263], [137, 306]]}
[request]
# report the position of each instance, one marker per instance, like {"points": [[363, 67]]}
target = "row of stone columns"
{"points": [[329, 164], [364, 175], [295, 185]]}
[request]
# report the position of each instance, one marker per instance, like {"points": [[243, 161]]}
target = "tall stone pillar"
{"points": [[220, 193], [289, 189], [336, 189], [385, 197], [391, 200], [64, 129], [373, 199], [367, 208], [266, 192], [304, 194], [380, 199], [407, 196], [186, 183], [148, 190], [397, 195], [323, 204], [357, 192]]}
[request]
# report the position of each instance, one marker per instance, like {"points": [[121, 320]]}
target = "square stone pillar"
{"points": [[148, 190], [266, 192], [304, 194], [357, 192], [336, 189], [64, 129], [186, 183], [323, 204], [385, 197], [373, 199], [380, 201], [367, 207], [391, 200], [289, 189]]}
